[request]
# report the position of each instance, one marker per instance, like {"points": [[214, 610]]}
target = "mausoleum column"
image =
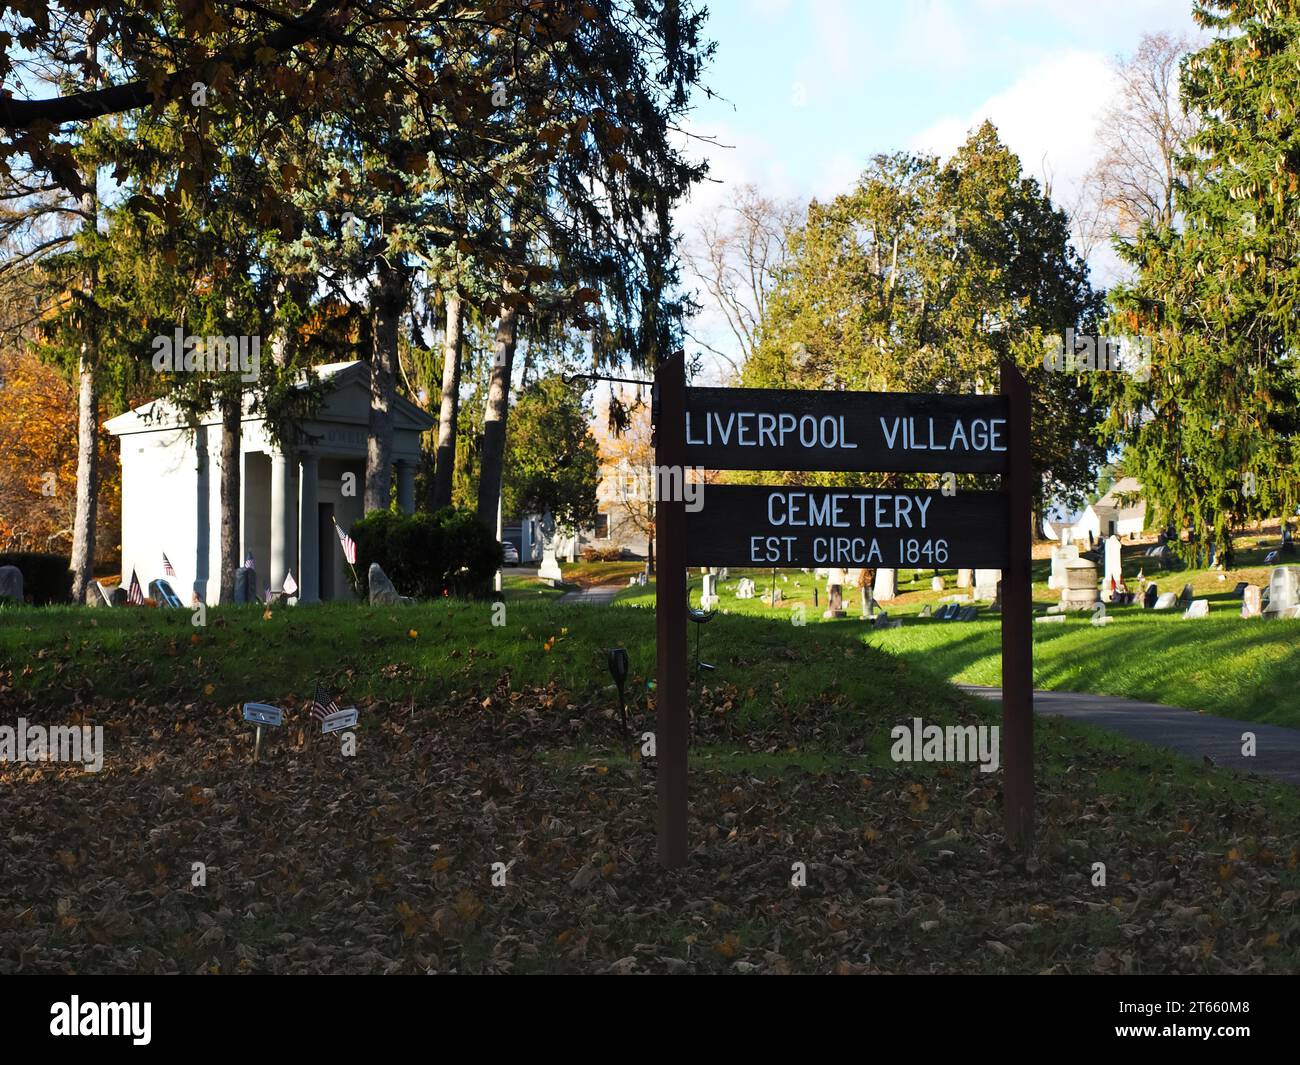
{"points": [[309, 536], [406, 486], [284, 519]]}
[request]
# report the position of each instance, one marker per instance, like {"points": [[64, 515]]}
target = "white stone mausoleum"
{"points": [[171, 490]]}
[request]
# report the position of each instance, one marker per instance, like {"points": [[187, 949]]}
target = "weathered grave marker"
{"points": [[261, 714]]}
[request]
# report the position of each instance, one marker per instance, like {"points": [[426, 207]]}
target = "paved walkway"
{"points": [[597, 595], [1277, 749]]}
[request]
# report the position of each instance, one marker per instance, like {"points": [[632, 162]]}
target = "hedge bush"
{"points": [[602, 554], [427, 555], [46, 578]]}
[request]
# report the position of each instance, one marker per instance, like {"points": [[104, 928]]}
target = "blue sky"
{"points": [[810, 89]]}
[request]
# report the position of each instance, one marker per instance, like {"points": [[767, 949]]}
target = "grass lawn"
{"points": [[1248, 669], [482, 744]]}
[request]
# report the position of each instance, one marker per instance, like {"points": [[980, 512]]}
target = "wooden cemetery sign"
{"points": [[790, 526]]}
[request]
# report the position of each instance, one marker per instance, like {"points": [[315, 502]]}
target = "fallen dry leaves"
{"points": [[384, 862]]}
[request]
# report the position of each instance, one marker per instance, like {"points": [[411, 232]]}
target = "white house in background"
{"points": [[171, 489], [1110, 516]]}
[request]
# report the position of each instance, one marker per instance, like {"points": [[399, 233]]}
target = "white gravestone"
{"points": [[1061, 557], [709, 596], [986, 584], [886, 586], [936, 584], [1200, 608], [1167, 601], [964, 577], [549, 570], [1284, 593], [1114, 570], [1251, 606], [745, 588]]}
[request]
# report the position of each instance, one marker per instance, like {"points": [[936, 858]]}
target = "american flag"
{"points": [[248, 562], [349, 545], [167, 566], [322, 703], [134, 595], [290, 585]]}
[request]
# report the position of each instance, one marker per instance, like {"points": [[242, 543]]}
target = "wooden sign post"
{"points": [[672, 719], [782, 526]]}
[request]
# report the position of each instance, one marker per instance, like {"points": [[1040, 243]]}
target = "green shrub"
{"points": [[46, 578], [427, 555]]}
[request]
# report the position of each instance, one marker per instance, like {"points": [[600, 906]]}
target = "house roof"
{"points": [[346, 380], [1125, 486]]}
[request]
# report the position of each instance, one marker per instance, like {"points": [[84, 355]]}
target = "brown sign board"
{"points": [[903, 432], [782, 526]]}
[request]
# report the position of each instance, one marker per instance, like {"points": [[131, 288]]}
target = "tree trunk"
{"points": [[82, 562], [492, 456], [83, 526], [650, 555], [231, 416], [387, 304], [445, 469]]}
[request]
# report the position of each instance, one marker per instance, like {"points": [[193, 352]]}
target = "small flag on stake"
{"points": [[134, 594], [322, 703], [248, 562], [349, 545], [167, 566]]}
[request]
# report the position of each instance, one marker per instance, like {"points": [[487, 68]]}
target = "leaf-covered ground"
{"points": [[383, 862]]}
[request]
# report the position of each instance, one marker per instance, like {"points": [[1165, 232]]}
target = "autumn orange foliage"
{"points": [[38, 461]]}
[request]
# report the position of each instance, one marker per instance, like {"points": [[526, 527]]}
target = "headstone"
{"points": [[1251, 602], [382, 591], [11, 583], [709, 595], [722, 573], [162, 593], [1166, 601], [986, 583], [886, 586], [1185, 596], [775, 597], [1199, 608], [95, 595], [245, 585], [745, 588], [964, 577], [834, 601], [1049, 619], [1240, 591], [936, 584], [1270, 558], [1061, 557], [1150, 596], [968, 613], [549, 570], [925, 611], [1113, 574], [1284, 593], [1080, 590]]}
